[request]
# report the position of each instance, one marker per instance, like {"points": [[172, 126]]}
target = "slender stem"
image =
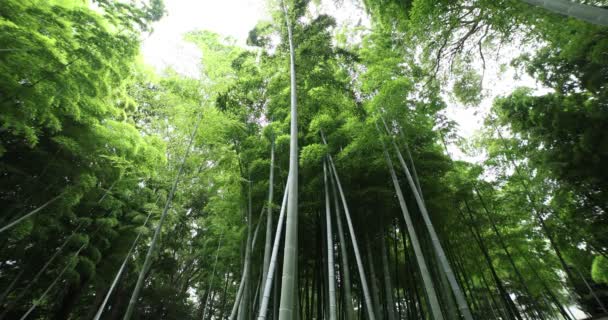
{"points": [[31, 213], [151, 249], [287, 309], [424, 271], [268, 243], [331, 287], [273, 259], [591, 14], [346, 280], [120, 270], [366, 294], [443, 261], [48, 289], [217, 255]]}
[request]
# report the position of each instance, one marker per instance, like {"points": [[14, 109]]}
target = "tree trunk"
{"points": [[268, 243], [388, 287], [511, 308], [506, 251], [217, 254], [151, 249], [346, 280], [443, 261], [120, 271], [368, 301], [372, 271], [591, 14], [331, 287], [50, 287], [273, 260], [10, 287], [245, 287], [31, 213], [290, 251], [119, 301], [424, 271]]}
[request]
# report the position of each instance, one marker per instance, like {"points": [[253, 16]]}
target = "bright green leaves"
{"points": [[218, 55], [467, 88], [312, 155], [63, 68], [599, 270]]}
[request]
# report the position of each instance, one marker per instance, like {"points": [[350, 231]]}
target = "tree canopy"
{"points": [[308, 174]]}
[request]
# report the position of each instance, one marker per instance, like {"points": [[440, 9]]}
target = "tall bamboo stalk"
{"points": [[422, 266], [373, 280], [504, 247], [368, 301], [50, 287], [538, 213], [591, 14], [31, 213], [388, 285], [245, 304], [510, 306], [217, 255], [443, 261], [241, 301], [40, 272], [152, 248], [345, 275], [268, 242], [273, 260], [331, 287], [120, 271], [290, 252]]}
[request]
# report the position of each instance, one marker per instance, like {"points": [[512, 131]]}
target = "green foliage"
{"points": [[599, 270], [467, 89], [81, 118]]}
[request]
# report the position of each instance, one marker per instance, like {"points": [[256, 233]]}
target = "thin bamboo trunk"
{"points": [[552, 296], [443, 261], [597, 299], [401, 309], [224, 296], [120, 271], [346, 280], [537, 211], [273, 259], [388, 285], [40, 272], [424, 271], [268, 243], [244, 310], [331, 288], [591, 14], [217, 255], [50, 287], [366, 294], [290, 252], [504, 313], [244, 287], [373, 280], [256, 296], [31, 213], [151, 249], [11, 285], [504, 247], [511, 308]]}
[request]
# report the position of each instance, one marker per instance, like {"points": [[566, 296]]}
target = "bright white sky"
{"points": [[165, 47]]}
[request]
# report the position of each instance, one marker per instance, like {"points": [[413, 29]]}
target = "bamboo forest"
{"points": [[344, 159]]}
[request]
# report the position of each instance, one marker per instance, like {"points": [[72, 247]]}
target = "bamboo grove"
{"points": [[309, 174]]}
